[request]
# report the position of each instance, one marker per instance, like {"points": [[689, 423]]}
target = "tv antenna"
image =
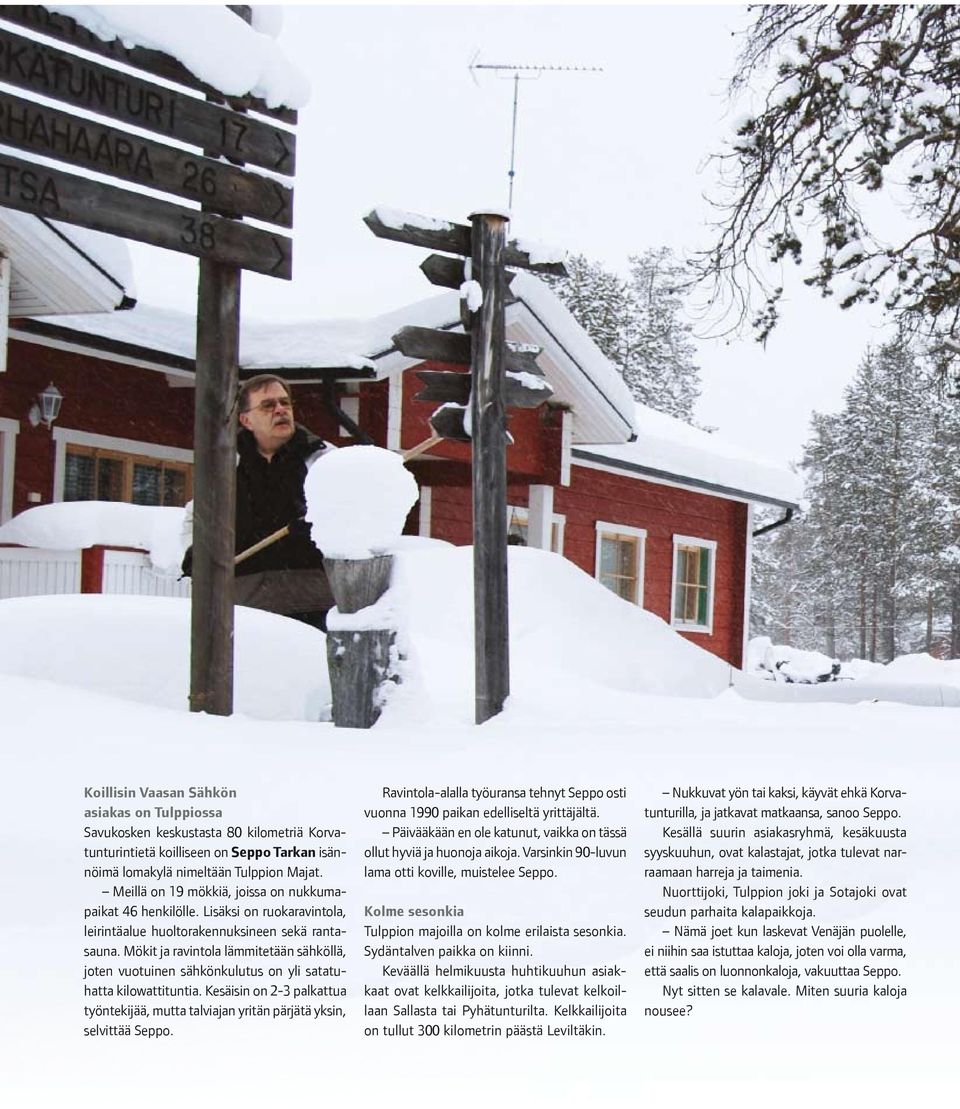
{"points": [[525, 73]]}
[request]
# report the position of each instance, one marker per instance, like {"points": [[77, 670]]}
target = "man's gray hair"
{"points": [[253, 385]]}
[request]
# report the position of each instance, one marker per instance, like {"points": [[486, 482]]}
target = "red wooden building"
{"points": [[657, 511]]}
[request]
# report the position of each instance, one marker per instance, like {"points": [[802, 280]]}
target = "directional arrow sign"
{"points": [[522, 358], [84, 142], [525, 390], [519, 390], [434, 234], [453, 238], [449, 273], [448, 421], [62, 196], [446, 386], [52, 72], [433, 345]]}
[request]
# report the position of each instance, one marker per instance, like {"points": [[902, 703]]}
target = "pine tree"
{"points": [[872, 568], [638, 323], [659, 358], [846, 101]]}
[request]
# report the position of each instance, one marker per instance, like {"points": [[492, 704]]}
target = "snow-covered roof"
{"points": [[670, 450], [576, 368], [605, 414], [218, 48], [59, 269]]}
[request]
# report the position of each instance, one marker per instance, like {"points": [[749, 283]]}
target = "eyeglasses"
{"points": [[271, 404]]}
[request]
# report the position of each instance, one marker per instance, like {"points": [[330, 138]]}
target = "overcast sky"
{"points": [[607, 164]]}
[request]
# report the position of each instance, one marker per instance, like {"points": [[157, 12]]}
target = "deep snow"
{"points": [[94, 692]]}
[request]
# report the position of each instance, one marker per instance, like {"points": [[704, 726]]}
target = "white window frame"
{"points": [[711, 546], [517, 514], [64, 437], [9, 430], [605, 527]]}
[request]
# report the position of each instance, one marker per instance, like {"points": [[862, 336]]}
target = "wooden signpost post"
{"points": [[473, 404], [222, 192]]}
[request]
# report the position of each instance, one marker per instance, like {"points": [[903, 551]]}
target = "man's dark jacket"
{"points": [[270, 496]]}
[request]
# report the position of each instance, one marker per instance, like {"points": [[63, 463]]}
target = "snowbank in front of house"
{"points": [[138, 649], [788, 664], [573, 643], [779, 673], [770, 661], [73, 525], [575, 647]]}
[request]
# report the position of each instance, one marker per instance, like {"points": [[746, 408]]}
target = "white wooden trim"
{"points": [[747, 585], [426, 510], [566, 447], [540, 517], [350, 406], [589, 464], [394, 412], [604, 527], [65, 436], [711, 545], [4, 310], [9, 430]]}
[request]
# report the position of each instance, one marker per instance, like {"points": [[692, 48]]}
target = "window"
{"points": [[518, 520], [619, 563], [693, 568], [94, 474]]}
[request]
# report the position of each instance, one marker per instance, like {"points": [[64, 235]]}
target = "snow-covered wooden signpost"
{"points": [[224, 190], [473, 405], [357, 501]]}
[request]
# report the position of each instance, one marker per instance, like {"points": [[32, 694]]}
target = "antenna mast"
{"points": [[527, 73]]}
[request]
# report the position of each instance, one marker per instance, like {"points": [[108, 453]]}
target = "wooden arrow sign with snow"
{"points": [[214, 176], [474, 403], [454, 238]]}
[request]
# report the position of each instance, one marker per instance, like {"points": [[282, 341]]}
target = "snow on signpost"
{"points": [[358, 499], [472, 404]]}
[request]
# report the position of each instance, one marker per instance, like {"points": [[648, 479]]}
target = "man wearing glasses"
{"points": [[273, 453]]}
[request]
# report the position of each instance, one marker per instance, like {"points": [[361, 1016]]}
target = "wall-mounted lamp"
{"points": [[48, 409]]}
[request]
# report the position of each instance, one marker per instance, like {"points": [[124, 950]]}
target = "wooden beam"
{"points": [[489, 434], [49, 71], [214, 489], [421, 448], [67, 30], [40, 129], [63, 196]]}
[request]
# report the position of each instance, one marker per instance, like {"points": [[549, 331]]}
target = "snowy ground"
{"points": [[94, 692]]}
